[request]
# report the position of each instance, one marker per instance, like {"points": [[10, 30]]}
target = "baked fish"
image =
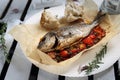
{"points": [[65, 36]]}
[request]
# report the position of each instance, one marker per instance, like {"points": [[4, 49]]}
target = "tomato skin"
{"points": [[88, 41], [64, 53], [98, 30], [82, 46], [92, 36], [74, 50]]}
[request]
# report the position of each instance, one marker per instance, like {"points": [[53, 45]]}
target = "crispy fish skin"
{"points": [[64, 37]]}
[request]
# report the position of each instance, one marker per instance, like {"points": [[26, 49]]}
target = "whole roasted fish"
{"points": [[65, 36]]}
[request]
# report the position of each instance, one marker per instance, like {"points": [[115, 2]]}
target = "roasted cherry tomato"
{"points": [[92, 36], [98, 30], [88, 40], [64, 53], [82, 46], [74, 50]]}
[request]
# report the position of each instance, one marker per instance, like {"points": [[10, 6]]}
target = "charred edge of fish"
{"points": [[56, 42]]}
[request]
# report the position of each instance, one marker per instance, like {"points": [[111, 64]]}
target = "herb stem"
{"points": [[95, 63]]}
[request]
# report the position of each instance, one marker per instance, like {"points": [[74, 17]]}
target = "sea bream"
{"points": [[65, 36]]}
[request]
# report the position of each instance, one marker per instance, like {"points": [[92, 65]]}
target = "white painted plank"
{"points": [[18, 5], [43, 75], [19, 68], [8, 39], [106, 75], [76, 78], [3, 4]]}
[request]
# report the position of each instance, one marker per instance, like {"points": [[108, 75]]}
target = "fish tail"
{"points": [[99, 16]]}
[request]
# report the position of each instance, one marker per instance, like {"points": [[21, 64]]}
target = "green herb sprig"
{"points": [[3, 27], [95, 63]]}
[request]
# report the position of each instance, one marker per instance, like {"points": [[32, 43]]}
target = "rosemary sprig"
{"points": [[3, 27], [95, 63]]}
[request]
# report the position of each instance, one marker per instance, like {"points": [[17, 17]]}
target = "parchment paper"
{"points": [[29, 35]]}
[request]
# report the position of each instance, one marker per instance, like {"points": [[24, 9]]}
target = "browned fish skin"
{"points": [[65, 36]]}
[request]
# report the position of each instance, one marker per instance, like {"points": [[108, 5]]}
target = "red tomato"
{"points": [[74, 50], [88, 41], [98, 30], [92, 36], [82, 46], [64, 53]]}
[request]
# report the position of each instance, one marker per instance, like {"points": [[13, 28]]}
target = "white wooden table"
{"points": [[14, 11]]}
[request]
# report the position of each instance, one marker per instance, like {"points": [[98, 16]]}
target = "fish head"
{"points": [[47, 42]]}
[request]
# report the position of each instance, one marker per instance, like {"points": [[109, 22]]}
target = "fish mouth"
{"points": [[41, 43]]}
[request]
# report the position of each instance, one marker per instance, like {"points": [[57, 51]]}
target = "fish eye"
{"points": [[70, 33]]}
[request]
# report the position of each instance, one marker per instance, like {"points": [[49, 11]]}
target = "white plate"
{"points": [[113, 52]]}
